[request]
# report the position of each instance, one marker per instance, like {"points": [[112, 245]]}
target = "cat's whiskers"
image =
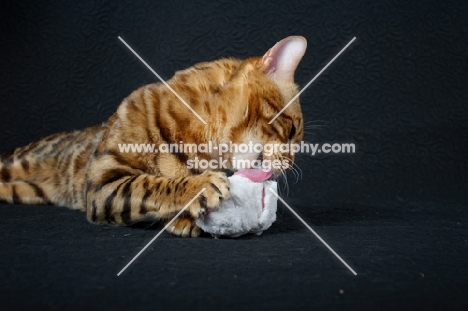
{"points": [[151, 224], [285, 179], [298, 170], [309, 143], [312, 121], [312, 125], [295, 169]]}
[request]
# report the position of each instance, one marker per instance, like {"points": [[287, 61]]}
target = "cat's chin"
{"points": [[275, 175]]}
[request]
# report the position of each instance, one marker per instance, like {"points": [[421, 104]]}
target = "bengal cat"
{"points": [[85, 169]]}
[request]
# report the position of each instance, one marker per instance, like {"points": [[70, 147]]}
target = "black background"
{"points": [[395, 210]]}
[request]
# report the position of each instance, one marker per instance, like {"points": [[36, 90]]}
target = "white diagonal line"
{"points": [[308, 84], [157, 235], [162, 80], [312, 230]]}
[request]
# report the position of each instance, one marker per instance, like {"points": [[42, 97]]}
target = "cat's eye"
{"points": [[292, 132]]}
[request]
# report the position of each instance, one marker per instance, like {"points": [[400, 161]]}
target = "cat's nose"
{"points": [[229, 172]]}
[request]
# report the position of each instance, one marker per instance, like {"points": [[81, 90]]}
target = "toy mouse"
{"points": [[250, 209]]}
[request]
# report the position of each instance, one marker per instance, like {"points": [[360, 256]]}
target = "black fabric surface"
{"points": [[396, 210]]}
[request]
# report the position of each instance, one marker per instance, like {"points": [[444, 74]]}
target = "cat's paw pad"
{"points": [[184, 227], [216, 186]]}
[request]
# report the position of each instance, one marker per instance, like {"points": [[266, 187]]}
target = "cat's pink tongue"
{"points": [[255, 175]]}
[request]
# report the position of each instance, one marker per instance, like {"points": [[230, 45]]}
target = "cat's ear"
{"points": [[281, 60]]}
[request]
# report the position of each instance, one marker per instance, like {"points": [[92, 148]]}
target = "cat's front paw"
{"points": [[184, 227], [216, 186]]}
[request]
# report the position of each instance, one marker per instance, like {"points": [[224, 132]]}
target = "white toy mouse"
{"points": [[250, 209]]}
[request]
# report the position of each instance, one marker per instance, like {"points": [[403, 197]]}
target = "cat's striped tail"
{"points": [[16, 186], [49, 171]]}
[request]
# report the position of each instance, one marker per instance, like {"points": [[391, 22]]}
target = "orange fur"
{"points": [[85, 169]]}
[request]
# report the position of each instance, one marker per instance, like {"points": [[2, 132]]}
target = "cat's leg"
{"points": [[185, 225], [123, 199]]}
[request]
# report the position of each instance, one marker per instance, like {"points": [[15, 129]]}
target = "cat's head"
{"points": [[242, 102]]}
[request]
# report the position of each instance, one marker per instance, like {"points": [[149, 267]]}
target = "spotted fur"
{"points": [[85, 169]]}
